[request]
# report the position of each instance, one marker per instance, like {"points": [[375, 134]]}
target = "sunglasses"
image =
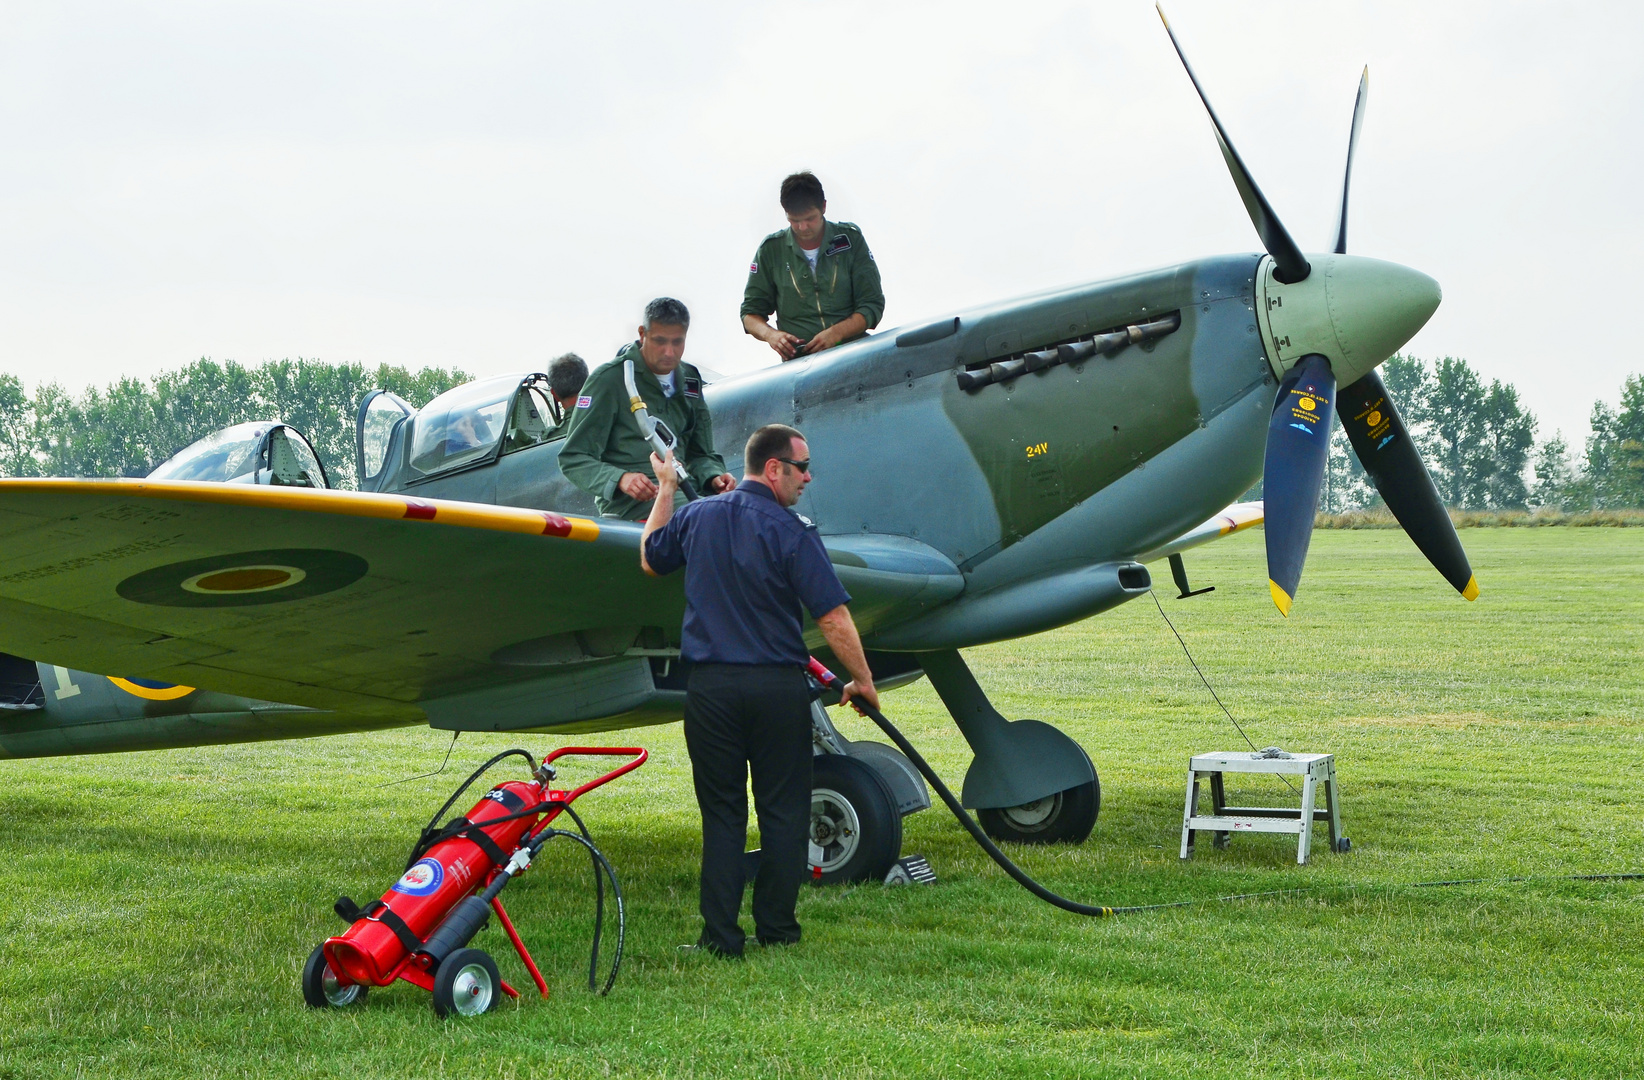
{"points": [[802, 466]]}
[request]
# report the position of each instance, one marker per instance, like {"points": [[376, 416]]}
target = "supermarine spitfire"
{"points": [[1078, 433]]}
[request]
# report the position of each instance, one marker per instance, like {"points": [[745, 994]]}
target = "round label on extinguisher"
{"points": [[423, 878]]}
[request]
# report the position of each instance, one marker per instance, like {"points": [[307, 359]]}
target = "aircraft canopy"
{"points": [[462, 425]]}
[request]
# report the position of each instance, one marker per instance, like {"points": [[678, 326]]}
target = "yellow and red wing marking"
{"points": [[348, 503]]}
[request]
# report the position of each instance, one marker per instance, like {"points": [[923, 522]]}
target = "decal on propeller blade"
{"points": [[245, 579]]}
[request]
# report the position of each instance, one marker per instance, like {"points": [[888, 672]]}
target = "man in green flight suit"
{"points": [[818, 276], [605, 452]]}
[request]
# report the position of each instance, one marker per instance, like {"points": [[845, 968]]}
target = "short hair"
{"points": [[667, 311], [769, 442], [566, 374], [801, 192]]}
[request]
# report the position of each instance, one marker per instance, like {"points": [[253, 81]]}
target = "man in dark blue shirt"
{"points": [[751, 564]]}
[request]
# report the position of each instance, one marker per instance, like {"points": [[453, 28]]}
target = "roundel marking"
{"points": [[1307, 403], [1373, 419], [245, 579], [151, 690]]}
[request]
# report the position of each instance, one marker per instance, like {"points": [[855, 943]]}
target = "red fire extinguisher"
{"points": [[413, 906], [420, 929]]}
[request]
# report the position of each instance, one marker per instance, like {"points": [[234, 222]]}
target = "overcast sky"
{"points": [[486, 185]]}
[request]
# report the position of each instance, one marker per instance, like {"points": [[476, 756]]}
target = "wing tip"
{"points": [[1470, 593], [1281, 599]]}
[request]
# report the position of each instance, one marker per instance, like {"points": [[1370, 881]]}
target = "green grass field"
{"points": [[157, 906]]}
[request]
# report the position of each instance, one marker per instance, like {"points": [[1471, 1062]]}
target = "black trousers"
{"points": [[739, 717]]}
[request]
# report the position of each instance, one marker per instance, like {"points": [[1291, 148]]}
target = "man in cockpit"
{"points": [[606, 454], [566, 374], [464, 432]]}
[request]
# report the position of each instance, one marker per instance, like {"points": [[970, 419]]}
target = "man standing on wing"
{"points": [[818, 276], [750, 565], [605, 452]]}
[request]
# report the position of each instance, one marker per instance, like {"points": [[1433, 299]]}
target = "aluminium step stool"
{"points": [[1315, 769]]}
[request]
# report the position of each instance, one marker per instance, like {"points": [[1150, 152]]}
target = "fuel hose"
{"points": [[832, 682]]}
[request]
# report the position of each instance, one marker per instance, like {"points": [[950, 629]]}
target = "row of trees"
{"points": [[1479, 443], [1478, 439], [131, 426]]}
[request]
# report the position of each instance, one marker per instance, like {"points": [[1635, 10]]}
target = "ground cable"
{"points": [[1196, 670]]}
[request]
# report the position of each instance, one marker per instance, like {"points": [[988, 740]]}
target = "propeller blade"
{"points": [[1389, 456], [1352, 145], [1292, 265], [1298, 446]]}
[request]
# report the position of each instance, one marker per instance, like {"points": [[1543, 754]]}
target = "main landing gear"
{"points": [[860, 791], [1029, 783]]}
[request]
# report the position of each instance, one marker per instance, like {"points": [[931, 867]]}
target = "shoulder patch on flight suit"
{"points": [[842, 242], [803, 520], [692, 387], [753, 267], [584, 401]]}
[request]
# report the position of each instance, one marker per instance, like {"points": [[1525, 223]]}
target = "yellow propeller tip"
{"points": [[1281, 599], [1471, 591], [1160, 9]]}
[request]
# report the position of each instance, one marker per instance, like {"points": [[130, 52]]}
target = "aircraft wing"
{"points": [[360, 603], [1235, 518], [350, 601]]}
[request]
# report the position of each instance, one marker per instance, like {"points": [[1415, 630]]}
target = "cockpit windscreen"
{"points": [[461, 425]]}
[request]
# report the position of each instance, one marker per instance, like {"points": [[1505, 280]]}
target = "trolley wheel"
{"points": [[467, 983], [1344, 845], [322, 989], [856, 833], [1063, 818]]}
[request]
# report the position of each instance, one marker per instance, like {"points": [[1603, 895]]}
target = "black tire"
{"points": [[856, 833], [466, 984], [1063, 818], [322, 989]]}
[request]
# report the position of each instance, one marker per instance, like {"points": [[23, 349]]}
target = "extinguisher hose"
{"points": [[602, 870], [433, 834]]}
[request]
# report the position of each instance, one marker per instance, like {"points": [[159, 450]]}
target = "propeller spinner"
{"points": [[1330, 320]]}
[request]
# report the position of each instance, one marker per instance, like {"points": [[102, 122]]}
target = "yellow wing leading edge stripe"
{"points": [[349, 503]]}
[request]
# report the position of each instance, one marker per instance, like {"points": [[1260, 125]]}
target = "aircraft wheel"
{"points": [[856, 833], [1063, 818], [467, 983], [322, 989]]}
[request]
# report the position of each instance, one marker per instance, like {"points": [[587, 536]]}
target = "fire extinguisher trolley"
{"points": [[419, 930]]}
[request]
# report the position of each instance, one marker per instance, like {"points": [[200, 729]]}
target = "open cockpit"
{"points": [[260, 452]]}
